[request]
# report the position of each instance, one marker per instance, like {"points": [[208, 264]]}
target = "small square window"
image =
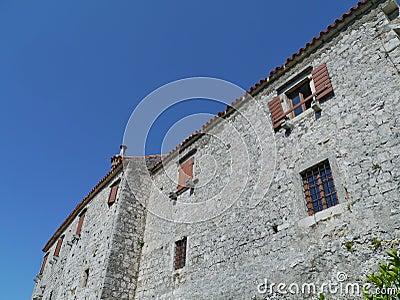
{"points": [[319, 188], [297, 98], [180, 253]]}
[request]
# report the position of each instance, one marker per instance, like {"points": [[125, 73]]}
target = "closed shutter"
{"points": [[276, 110], [81, 218], [44, 263], [113, 194], [322, 81], [185, 173], [58, 247]]}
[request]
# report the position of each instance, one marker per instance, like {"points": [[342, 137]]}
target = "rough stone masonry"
{"points": [[280, 231]]}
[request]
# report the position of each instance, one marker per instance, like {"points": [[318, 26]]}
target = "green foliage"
{"points": [[387, 281], [321, 297], [377, 243], [349, 245], [376, 166], [141, 243], [349, 207]]}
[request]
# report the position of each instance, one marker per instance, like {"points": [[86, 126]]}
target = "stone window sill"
{"points": [[321, 216]]}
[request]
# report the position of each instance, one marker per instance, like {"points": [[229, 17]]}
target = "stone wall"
{"points": [[253, 233], [63, 276], [127, 239], [245, 218]]}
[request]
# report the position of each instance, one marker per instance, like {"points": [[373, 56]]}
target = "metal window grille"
{"points": [[319, 188], [180, 253]]}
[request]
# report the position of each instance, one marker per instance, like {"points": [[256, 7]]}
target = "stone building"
{"points": [[328, 213]]}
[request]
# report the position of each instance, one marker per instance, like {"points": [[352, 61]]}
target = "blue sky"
{"points": [[71, 72]]}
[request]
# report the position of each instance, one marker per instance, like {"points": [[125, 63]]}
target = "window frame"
{"points": [[300, 208], [320, 186], [180, 253], [281, 106], [297, 87]]}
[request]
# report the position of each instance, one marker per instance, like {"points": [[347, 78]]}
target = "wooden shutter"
{"points": [[44, 263], [113, 194], [81, 218], [322, 81], [58, 247], [185, 173], [276, 110]]}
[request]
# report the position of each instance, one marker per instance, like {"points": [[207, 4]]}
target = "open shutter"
{"points": [[322, 81], [81, 218], [58, 247], [44, 263], [185, 173], [113, 194], [276, 110]]}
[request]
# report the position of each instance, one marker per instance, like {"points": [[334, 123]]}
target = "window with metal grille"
{"points": [[180, 253], [319, 188]]}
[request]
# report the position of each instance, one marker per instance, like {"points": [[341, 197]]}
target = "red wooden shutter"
{"points": [[44, 263], [113, 194], [185, 173], [81, 218], [276, 110], [322, 81], [58, 247]]}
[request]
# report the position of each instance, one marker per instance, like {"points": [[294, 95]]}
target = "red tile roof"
{"points": [[81, 205], [229, 109], [254, 89], [313, 41], [117, 166]]}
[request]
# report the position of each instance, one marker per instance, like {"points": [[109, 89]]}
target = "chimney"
{"points": [[123, 149], [116, 159]]}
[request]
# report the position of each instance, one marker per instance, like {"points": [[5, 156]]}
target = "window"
{"points": [[113, 193], [299, 94], [319, 188], [180, 253], [299, 99], [58, 247], [80, 223], [185, 173], [44, 263]]}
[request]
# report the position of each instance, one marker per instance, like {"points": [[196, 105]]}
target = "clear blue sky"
{"points": [[71, 72]]}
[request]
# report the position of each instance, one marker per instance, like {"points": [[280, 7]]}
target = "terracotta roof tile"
{"points": [[272, 73], [229, 108], [313, 41], [117, 159]]}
